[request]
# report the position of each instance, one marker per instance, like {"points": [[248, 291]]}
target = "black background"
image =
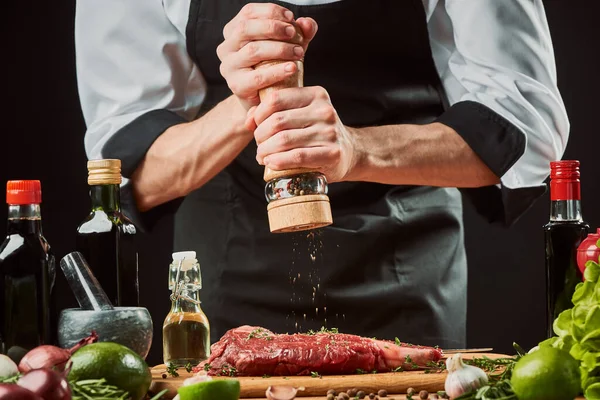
{"points": [[43, 130]]}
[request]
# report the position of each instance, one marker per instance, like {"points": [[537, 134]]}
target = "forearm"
{"points": [[188, 155], [429, 155]]}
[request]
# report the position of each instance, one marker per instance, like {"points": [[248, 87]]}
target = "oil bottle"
{"points": [[186, 330]]}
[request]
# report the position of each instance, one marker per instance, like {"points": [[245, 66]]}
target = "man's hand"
{"points": [[299, 128], [261, 32]]}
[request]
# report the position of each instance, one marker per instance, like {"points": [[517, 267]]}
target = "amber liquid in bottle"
{"points": [[563, 234], [107, 241], [27, 273], [186, 330]]}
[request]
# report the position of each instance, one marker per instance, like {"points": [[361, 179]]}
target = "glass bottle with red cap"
{"points": [[563, 234], [27, 273]]}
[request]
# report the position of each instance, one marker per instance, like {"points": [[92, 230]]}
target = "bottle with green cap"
{"points": [[107, 238], [186, 330]]}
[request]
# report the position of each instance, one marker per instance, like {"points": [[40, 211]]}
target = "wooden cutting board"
{"points": [[255, 387]]}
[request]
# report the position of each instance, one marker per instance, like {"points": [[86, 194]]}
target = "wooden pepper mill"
{"points": [[297, 198]]}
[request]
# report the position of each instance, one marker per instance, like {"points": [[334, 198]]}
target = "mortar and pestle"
{"points": [[128, 326], [297, 198]]}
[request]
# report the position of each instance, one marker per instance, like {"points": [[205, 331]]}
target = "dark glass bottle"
{"points": [[27, 273], [106, 238], [563, 234]]}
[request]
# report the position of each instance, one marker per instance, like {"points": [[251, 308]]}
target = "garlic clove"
{"points": [[282, 392]]}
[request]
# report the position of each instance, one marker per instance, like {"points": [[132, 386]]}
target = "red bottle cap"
{"points": [[588, 250], [23, 192], [564, 180]]}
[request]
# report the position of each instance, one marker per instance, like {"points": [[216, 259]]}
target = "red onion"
{"points": [[48, 384], [47, 356], [10, 391]]}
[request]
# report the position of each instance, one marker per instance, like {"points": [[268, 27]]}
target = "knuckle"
{"points": [[257, 79], [247, 10], [233, 86], [322, 93], [273, 100], [280, 120], [284, 138], [330, 134], [272, 27], [299, 156], [327, 113], [252, 48]]}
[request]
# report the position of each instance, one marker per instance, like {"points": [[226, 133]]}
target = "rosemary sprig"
{"points": [[90, 389]]}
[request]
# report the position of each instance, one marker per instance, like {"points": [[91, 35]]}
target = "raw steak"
{"points": [[255, 351]]}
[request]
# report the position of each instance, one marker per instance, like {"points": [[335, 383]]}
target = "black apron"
{"points": [[393, 262]]}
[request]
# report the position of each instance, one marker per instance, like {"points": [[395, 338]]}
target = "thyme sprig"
{"points": [[172, 370]]}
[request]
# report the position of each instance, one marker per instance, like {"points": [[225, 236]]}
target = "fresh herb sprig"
{"points": [[11, 379], [97, 389], [332, 331], [172, 370], [259, 333], [188, 367], [500, 390]]}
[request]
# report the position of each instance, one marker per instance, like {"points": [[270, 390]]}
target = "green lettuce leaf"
{"points": [[592, 392], [592, 271], [578, 330]]}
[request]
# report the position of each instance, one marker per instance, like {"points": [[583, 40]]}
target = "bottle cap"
{"points": [[23, 192], [104, 172], [183, 255], [564, 180]]}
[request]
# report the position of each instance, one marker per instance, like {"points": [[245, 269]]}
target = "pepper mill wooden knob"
{"points": [[303, 211]]}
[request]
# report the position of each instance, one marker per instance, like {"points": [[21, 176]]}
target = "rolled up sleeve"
{"points": [[497, 67], [135, 78]]}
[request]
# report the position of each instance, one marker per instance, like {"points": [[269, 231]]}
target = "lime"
{"points": [[546, 374], [119, 365], [222, 389]]}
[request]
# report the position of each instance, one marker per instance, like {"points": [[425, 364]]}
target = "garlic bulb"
{"points": [[463, 378]]}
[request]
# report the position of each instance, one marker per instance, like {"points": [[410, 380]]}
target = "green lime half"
{"points": [[222, 389]]}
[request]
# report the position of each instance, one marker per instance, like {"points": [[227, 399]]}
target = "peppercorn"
{"points": [[371, 396], [302, 193], [411, 391], [361, 394], [352, 392], [330, 397], [164, 376], [382, 393], [332, 391], [344, 396], [423, 394]]}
